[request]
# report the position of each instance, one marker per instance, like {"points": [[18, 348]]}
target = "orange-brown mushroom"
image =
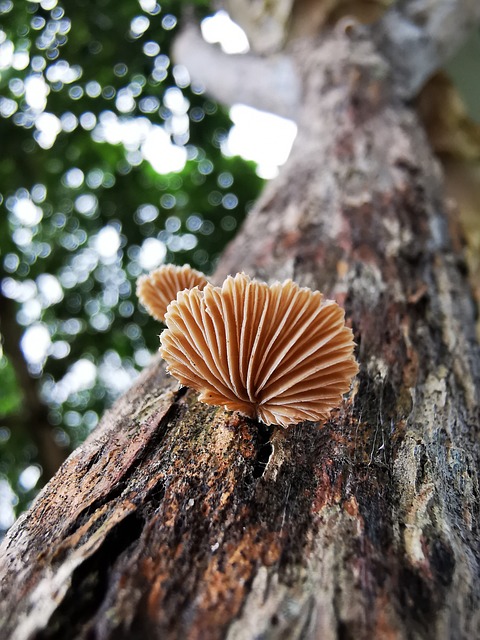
{"points": [[157, 289], [279, 353]]}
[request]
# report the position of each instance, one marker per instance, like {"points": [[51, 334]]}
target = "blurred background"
{"points": [[112, 162]]}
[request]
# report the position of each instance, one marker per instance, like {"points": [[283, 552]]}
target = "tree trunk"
{"points": [[32, 418], [180, 520]]}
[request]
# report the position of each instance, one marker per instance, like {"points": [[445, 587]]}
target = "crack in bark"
{"points": [[110, 498], [90, 582], [264, 450]]}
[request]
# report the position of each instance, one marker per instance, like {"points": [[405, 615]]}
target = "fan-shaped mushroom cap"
{"points": [[277, 353], [157, 289]]}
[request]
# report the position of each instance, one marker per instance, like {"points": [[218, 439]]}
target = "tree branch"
{"points": [[419, 36], [269, 84]]}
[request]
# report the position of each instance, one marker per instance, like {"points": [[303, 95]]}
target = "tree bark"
{"points": [[180, 520]]}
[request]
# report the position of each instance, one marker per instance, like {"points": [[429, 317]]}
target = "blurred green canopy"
{"points": [[111, 163]]}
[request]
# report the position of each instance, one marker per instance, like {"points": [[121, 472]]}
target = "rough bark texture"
{"points": [[178, 520]]}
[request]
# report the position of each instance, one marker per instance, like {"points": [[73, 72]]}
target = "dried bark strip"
{"points": [[177, 520]]}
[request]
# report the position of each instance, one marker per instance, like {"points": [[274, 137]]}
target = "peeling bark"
{"points": [[179, 520]]}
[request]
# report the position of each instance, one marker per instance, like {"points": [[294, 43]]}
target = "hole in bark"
{"points": [[264, 451], [89, 583], [347, 26], [85, 515], [442, 561], [262, 460], [417, 597], [152, 500], [344, 632]]}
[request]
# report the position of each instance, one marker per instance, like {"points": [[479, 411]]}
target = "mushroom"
{"points": [[280, 354], [157, 289]]}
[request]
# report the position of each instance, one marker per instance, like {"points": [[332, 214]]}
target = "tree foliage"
{"points": [[93, 115]]}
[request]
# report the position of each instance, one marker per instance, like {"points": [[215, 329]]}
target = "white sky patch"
{"points": [[220, 28], [48, 4], [80, 376], [19, 291], [20, 60], [69, 122], [161, 153], [29, 477], [106, 243], [59, 349], [8, 500], [148, 5], [22, 237], [50, 289], [61, 71], [175, 101], [152, 254], [115, 376], [48, 127], [27, 212], [7, 107], [30, 312], [36, 342], [139, 134], [74, 178], [125, 101], [139, 25], [143, 357], [6, 54], [265, 138], [36, 91], [86, 204], [127, 131]]}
